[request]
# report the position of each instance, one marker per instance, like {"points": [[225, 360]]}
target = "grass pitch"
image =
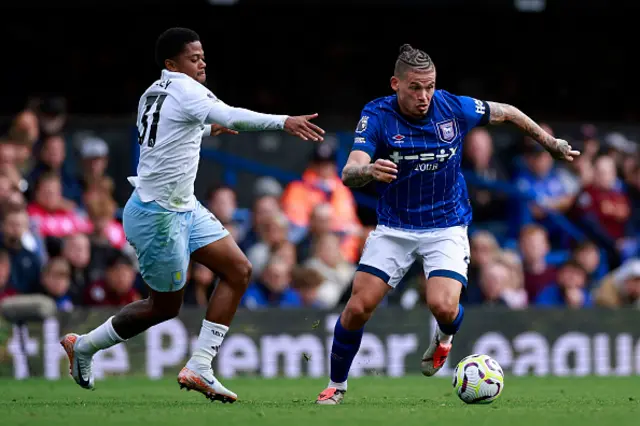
{"points": [[370, 401]]}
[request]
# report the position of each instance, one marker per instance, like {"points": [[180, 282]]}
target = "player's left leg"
{"points": [[387, 256], [445, 258], [212, 246]]}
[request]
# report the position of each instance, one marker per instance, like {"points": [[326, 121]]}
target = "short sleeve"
{"points": [[367, 132], [474, 111], [196, 104]]}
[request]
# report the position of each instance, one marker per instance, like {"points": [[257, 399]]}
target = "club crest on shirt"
{"points": [[447, 130], [362, 124]]}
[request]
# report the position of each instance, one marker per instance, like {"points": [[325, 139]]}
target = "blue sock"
{"points": [[346, 344], [452, 328]]}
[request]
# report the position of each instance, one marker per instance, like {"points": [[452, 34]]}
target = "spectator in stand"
{"points": [[633, 191], [264, 208], [24, 133], [30, 239], [6, 288], [7, 187], [588, 138], [479, 159], [319, 225], [104, 229], [273, 235], [587, 254], [569, 290], [76, 249], [484, 248], [51, 213], [337, 272], [11, 172], [117, 287], [25, 263], [222, 202], [273, 288], [51, 158], [619, 147], [517, 295], [602, 211], [534, 248], [494, 279], [52, 115], [621, 287], [321, 184], [94, 152], [541, 179], [56, 280], [306, 282], [200, 287]]}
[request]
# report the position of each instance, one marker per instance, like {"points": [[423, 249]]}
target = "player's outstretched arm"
{"points": [[559, 148], [359, 170], [244, 120]]}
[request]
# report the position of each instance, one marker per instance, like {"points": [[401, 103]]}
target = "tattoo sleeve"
{"points": [[355, 175], [499, 113]]}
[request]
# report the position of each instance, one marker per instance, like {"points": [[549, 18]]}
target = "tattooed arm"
{"points": [[559, 149], [359, 170]]}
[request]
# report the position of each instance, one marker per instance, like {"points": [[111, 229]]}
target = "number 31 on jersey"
{"points": [[146, 131]]}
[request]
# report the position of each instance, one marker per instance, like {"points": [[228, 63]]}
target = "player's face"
{"points": [[191, 62], [415, 90]]}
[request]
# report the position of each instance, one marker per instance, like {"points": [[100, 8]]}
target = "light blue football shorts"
{"points": [[164, 240]]}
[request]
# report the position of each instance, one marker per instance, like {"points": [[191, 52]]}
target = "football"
{"points": [[478, 379]]}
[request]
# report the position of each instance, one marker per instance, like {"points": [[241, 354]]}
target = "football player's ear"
{"points": [[395, 83], [170, 65]]}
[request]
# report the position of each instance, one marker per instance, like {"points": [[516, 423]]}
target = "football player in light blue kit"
{"points": [[167, 225], [410, 143]]}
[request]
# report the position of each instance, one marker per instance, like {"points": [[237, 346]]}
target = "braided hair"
{"points": [[412, 59]]}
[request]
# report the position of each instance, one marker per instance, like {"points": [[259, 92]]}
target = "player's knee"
{"points": [[242, 273], [444, 310], [358, 311]]}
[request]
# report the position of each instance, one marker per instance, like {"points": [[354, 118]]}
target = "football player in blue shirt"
{"points": [[410, 143]]}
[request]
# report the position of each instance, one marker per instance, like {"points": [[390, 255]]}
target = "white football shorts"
{"points": [[389, 253]]}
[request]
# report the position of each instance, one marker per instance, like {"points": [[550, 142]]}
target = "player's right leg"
{"points": [[391, 251], [227, 261], [161, 245]]}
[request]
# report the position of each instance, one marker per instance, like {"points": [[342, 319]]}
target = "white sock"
{"points": [[444, 338], [340, 386], [209, 341], [100, 338]]}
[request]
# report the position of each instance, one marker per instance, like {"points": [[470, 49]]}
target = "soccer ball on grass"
{"points": [[478, 379]]}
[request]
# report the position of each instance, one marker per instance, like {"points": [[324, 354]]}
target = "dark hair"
{"points": [[583, 245], [573, 263], [171, 43], [45, 176], [217, 187], [412, 59], [116, 257]]}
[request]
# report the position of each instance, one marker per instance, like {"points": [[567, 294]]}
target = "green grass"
{"points": [[370, 401]]}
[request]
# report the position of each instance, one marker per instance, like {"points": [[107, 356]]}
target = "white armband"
{"points": [[243, 120]]}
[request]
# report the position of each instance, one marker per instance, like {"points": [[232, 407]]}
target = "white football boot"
{"points": [[202, 380], [79, 363]]}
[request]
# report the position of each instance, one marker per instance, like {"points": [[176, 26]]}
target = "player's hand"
{"points": [[563, 151], [301, 127], [384, 170], [217, 129]]}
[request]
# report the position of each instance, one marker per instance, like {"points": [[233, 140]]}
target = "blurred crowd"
{"points": [[544, 233]]}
